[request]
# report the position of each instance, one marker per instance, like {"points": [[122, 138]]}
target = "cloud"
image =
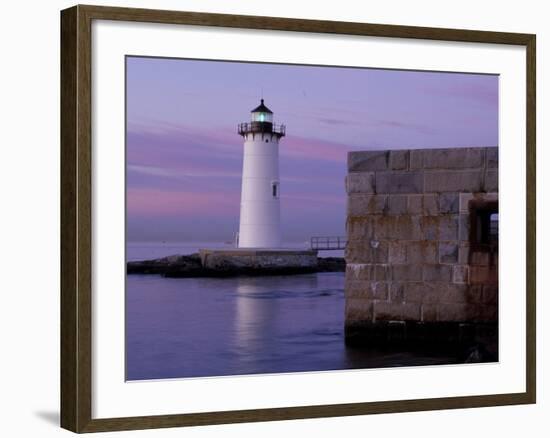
{"points": [[484, 92], [161, 203], [336, 122], [298, 199], [182, 173], [314, 149], [422, 129], [219, 141]]}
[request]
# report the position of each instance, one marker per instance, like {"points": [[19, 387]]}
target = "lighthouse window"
{"points": [[275, 190], [262, 117]]}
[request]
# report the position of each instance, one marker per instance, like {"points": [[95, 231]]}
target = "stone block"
{"points": [[411, 312], [371, 290], [439, 227], [360, 228], [360, 204], [464, 227], [429, 226], [455, 293], [388, 311], [399, 160], [382, 227], [397, 291], [377, 290], [399, 182], [453, 181], [423, 292], [473, 293], [357, 272], [488, 313], [491, 181], [457, 312], [415, 204], [464, 202], [358, 309], [397, 204], [361, 161], [448, 203], [360, 182], [437, 273], [463, 253], [483, 275], [429, 313], [480, 258], [460, 274], [492, 158], [397, 253], [490, 294], [406, 272], [448, 252], [421, 252], [367, 272], [459, 158], [416, 159], [366, 251], [448, 228], [423, 204], [403, 227]]}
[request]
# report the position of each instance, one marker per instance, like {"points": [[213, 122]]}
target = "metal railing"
{"points": [[327, 243], [265, 127]]}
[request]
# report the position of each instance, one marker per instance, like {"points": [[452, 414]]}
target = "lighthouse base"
{"points": [[259, 261]]}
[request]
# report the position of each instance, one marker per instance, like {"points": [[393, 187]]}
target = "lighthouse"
{"points": [[260, 219]]}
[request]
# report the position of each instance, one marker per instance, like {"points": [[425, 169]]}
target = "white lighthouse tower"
{"points": [[260, 221]]}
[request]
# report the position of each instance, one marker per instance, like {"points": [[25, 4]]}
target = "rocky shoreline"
{"points": [[187, 266]]}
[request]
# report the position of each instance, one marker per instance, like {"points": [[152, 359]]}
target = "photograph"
{"points": [[292, 218]]}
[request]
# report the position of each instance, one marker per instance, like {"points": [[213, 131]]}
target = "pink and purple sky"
{"points": [[184, 155]]}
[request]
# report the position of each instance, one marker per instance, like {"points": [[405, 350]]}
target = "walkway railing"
{"points": [[327, 243]]}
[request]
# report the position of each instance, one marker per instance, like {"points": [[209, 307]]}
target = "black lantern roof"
{"points": [[261, 108]]}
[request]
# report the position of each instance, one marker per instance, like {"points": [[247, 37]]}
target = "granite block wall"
{"points": [[422, 251]]}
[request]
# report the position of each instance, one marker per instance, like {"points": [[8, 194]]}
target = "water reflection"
{"points": [[260, 304], [193, 327]]}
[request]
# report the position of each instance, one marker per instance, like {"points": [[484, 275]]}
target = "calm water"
{"points": [[194, 327]]}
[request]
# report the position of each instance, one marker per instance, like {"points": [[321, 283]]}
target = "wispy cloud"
{"points": [[182, 173], [485, 94], [336, 122], [159, 203], [314, 149], [396, 124], [314, 198]]}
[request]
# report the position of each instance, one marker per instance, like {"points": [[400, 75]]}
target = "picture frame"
{"points": [[77, 168]]}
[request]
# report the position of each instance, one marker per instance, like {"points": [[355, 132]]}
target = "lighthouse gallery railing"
{"points": [[243, 128]]}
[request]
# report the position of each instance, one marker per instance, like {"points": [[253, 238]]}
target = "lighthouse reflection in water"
{"points": [[198, 327], [245, 325]]}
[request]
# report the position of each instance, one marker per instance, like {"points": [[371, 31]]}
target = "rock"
{"points": [[185, 266], [182, 263], [331, 264]]}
